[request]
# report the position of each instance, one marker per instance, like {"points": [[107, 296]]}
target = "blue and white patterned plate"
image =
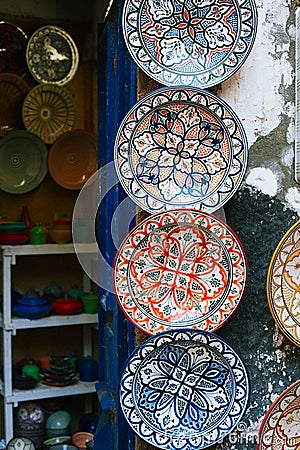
{"points": [[193, 42], [184, 390], [181, 148]]}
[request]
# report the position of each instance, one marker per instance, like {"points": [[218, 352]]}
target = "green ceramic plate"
{"points": [[23, 162]]}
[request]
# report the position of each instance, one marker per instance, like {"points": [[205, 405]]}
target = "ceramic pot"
{"points": [[87, 368]]}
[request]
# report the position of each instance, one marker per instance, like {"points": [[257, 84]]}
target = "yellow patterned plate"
{"points": [[48, 111], [283, 284], [52, 55]]}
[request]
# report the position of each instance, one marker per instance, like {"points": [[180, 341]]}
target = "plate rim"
{"points": [[144, 105], [209, 336], [142, 224], [183, 79], [269, 284], [269, 411]]}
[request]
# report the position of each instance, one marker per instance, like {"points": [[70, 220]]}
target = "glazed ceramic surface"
{"points": [[283, 284], [190, 42], [48, 111], [73, 158], [184, 389], [23, 162], [52, 55], [180, 147], [20, 443], [180, 268], [280, 428], [13, 90], [13, 43]]}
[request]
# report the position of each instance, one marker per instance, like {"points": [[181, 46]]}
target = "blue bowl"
{"points": [[32, 301], [32, 311]]}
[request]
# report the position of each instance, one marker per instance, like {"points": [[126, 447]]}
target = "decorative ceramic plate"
{"points": [[180, 147], [48, 111], [13, 90], [280, 429], [184, 389], [283, 284], [23, 162], [20, 443], [52, 55], [13, 43], [73, 158], [181, 268], [194, 43]]}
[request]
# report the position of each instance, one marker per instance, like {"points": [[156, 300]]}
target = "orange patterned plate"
{"points": [[13, 90], [73, 158], [48, 111], [181, 268], [283, 284]]}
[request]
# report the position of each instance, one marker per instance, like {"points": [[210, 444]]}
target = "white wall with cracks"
{"points": [[262, 94]]}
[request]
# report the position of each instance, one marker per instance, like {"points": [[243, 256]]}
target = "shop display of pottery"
{"points": [[60, 372], [180, 148], [52, 55], [283, 284], [48, 111], [280, 427], [184, 389], [194, 43], [180, 268]]}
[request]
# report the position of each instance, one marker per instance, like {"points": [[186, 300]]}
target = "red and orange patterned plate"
{"points": [[181, 268]]}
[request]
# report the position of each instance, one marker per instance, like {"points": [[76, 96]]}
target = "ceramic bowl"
{"points": [[60, 236], [81, 438], [31, 312], [90, 303], [49, 443], [53, 432], [63, 447], [66, 306], [58, 420]]}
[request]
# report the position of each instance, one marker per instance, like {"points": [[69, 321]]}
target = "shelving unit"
{"points": [[11, 324]]}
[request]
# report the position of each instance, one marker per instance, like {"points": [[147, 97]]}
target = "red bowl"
{"points": [[66, 306]]}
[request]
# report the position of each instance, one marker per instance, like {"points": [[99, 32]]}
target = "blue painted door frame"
{"points": [[117, 75]]}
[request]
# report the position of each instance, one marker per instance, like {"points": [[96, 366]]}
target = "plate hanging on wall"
{"points": [[180, 147], [13, 90], [52, 55], [283, 284], [48, 111], [23, 162], [194, 43], [184, 390], [13, 43], [181, 268], [73, 158], [280, 427]]}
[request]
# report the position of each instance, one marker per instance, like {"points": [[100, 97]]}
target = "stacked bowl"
{"points": [[31, 307], [60, 232]]}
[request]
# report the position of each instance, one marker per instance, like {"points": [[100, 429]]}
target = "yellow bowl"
{"points": [[60, 236]]}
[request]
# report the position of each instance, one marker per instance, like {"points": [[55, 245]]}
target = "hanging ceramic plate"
{"points": [[182, 268], [283, 284], [194, 43], [73, 158], [48, 111], [180, 147], [184, 390], [280, 428], [52, 55], [23, 162], [13, 90], [13, 43]]}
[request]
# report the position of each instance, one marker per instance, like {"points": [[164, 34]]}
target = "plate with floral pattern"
{"points": [[189, 42], [283, 284], [184, 389], [280, 428], [181, 268], [180, 147], [52, 55]]}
